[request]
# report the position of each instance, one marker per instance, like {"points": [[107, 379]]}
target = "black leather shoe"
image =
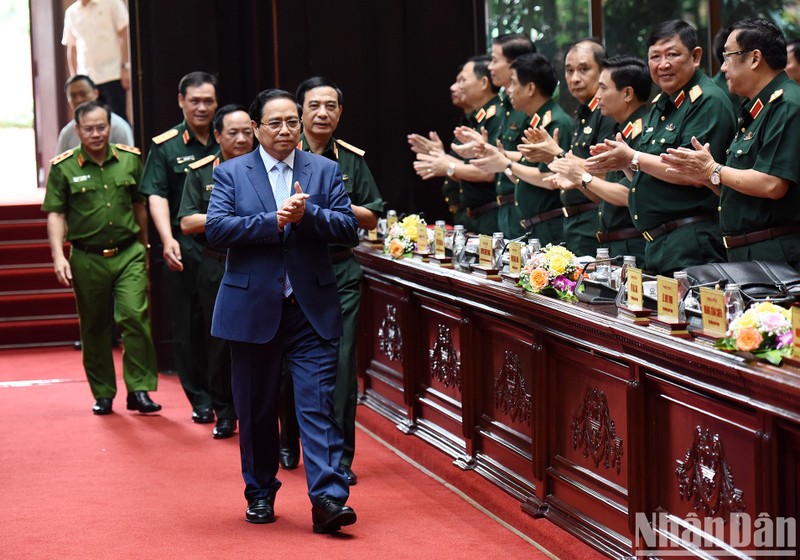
{"points": [[102, 406], [352, 479], [289, 458], [141, 401], [260, 510], [202, 416], [224, 428], [329, 515]]}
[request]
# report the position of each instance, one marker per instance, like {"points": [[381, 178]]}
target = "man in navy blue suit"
{"points": [[278, 300]]}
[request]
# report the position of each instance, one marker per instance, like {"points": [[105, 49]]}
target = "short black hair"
{"points": [[264, 97], [758, 33], [598, 50], [672, 27], [793, 44], [90, 106], [222, 112], [77, 78], [629, 71], [536, 68], [480, 67], [196, 79], [514, 45], [315, 82]]}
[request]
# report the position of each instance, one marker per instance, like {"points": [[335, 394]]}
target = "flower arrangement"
{"points": [[401, 239], [552, 271], [764, 330]]}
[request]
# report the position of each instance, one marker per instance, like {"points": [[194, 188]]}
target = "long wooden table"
{"points": [[584, 417]]}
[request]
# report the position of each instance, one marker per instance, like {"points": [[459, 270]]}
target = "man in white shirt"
{"points": [[80, 89], [96, 37]]}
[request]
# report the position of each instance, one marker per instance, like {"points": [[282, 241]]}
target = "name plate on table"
{"points": [[514, 262], [485, 266], [390, 221], [439, 257], [669, 308], [422, 240], [712, 304], [635, 291], [372, 235]]}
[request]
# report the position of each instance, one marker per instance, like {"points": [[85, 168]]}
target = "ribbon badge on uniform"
{"points": [[756, 108], [535, 120]]}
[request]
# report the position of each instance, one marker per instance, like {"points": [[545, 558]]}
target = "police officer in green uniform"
{"points": [[234, 134], [164, 173], [759, 187], [93, 201], [677, 218], [322, 108], [533, 81], [623, 91]]}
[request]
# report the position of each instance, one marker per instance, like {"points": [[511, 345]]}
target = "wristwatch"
{"points": [[586, 178], [451, 169], [635, 162], [716, 178]]}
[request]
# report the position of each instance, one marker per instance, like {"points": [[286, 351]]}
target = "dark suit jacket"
{"points": [[242, 216]]}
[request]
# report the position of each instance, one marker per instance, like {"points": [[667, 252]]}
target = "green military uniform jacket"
{"points": [[197, 192], [474, 195], [357, 178], [702, 110], [532, 200], [611, 218], [168, 162], [512, 131], [589, 127], [767, 140], [97, 200]]}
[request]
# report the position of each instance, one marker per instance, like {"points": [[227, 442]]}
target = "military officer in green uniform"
{"points": [[624, 88], [322, 109], [476, 191], [234, 134], [677, 217], [533, 81], [93, 201], [164, 173], [759, 181]]}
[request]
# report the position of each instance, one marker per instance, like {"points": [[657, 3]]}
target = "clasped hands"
{"points": [[293, 208]]}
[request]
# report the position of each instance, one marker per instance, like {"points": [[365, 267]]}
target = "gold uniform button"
{"points": [[636, 216], [83, 189], [719, 208], [516, 203], [652, 141], [663, 118], [742, 129], [108, 204], [105, 187], [583, 121], [633, 189], [662, 140]]}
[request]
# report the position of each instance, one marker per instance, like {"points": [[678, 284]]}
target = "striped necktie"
{"points": [[281, 194]]}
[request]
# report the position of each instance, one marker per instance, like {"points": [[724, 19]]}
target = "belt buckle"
{"points": [[598, 236], [498, 199], [647, 236], [110, 252], [725, 241], [523, 224], [565, 211]]}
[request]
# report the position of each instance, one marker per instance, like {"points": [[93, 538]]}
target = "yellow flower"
{"points": [[745, 321], [410, 225], [558, 264]]}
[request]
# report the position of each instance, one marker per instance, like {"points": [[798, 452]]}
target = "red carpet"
{"points": [[76, 485]]}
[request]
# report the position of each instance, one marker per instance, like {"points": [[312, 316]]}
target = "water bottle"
{"points": [[619, 275], [534, 246], [734, 301], [602, 272], [459, 246], [683, 289], [498, 246], [391, 219]]}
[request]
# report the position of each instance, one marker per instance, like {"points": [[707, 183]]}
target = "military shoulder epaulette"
{"points": [[656, 98], [131, 149], [776, 94], [205, 161], [164, 136], [350, 147], [695, 92], [62, 156]]}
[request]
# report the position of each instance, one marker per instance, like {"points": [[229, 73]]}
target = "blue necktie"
{"points": [[281, 194]]}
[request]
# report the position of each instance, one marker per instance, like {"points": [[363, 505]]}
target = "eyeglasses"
{"points": [[276, 125], [726, 56]]}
